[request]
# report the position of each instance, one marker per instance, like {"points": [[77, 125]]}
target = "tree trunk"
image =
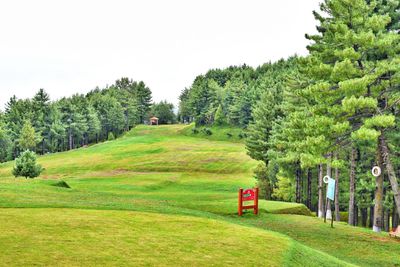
{"points": [[298, 184], [309, 188], [395, 217], [356, 215], [378, 209], [371, 217], [387, 220], [43, 146], [320, 192], [387, 163], [328, 205], [337, 208], [352, 185], [70, 140], [364, 217]]}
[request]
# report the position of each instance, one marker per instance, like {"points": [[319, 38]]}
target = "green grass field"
{"points": [[160, 196]]}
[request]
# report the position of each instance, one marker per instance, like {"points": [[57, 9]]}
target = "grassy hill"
{"points": [[158, 196]]}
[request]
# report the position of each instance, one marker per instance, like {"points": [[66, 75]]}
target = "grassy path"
{"points": [[189, 186]]}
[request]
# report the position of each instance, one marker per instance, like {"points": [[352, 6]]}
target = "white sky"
{"points": [[73, 46]]}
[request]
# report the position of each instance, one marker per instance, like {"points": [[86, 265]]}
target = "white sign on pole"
{"points": [[376, 171], [330, 193]]}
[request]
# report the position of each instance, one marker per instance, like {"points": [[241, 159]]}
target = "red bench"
{"points": [[395, 232]]}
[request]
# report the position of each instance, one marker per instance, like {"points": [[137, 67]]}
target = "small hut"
{"points": [[153, 121]]}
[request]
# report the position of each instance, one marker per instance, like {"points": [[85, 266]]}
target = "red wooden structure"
{"points": [[248, 195]]}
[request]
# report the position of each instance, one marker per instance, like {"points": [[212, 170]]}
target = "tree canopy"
{"points": [[45, 126]]}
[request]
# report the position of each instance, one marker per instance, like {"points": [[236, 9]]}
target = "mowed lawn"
{"points": [[157, 197], [148, 169], [91, 237]]}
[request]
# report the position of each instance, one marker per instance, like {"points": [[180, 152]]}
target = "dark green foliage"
{"points": [[26, 166], [111, 114], [46, 127], [242, 135], [62, 184], [260, 173], [266, 176], [184, 114], [207, 131], [229, 96], [5, 144]]}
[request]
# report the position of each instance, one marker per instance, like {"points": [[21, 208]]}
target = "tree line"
{"points": [[227, 96], [334, 112], [46, 126]]}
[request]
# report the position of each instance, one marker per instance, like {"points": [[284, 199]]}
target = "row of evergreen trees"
{"points": [[45, 127], [227, 96], [334, 112]]}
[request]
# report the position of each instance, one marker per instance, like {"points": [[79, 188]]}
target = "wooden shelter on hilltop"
{"points": [[153, 120]]}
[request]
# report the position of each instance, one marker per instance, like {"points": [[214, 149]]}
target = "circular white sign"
{"points": [[376, 171], [326, 179]]}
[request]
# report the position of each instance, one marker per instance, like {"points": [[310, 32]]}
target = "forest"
{"points": [[45, 126], [333, 112]]}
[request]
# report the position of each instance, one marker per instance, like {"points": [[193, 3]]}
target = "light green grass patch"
{"points": [[66, 237]]}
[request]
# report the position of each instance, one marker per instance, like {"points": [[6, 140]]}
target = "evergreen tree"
{"points": [[355, 61], [5, 144], [143, 96], [219, 117], [93, 125], [28, 138], [185, 114], [41, 111], [26, 166]]}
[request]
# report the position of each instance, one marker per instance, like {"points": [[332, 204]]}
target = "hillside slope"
{"points": [[189, 186]]}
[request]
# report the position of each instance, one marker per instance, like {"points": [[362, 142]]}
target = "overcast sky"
{"points": [[72, 46]]}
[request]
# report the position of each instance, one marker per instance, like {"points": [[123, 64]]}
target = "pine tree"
{"points": [[219, 117], [93, 125], [354, 62], [5, 144], [26, 166], [42, 123], [144, 99], [28, 138], [185, 114], [267, 112]]}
